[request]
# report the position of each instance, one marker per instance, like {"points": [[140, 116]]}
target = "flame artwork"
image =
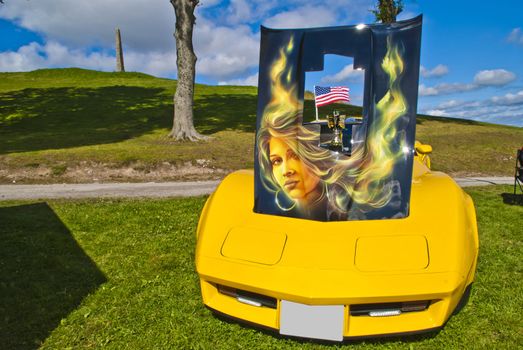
{"points": [[312, 182]]}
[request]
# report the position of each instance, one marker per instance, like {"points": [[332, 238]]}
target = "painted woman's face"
{"points": [[293, 176]]}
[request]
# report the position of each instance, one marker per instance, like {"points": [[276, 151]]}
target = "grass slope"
{"points": [[56, 122], [120, 273]]}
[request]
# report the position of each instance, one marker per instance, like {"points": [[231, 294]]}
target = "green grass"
{"points": [[70, 118], [120, 274], [464, 147], [79, 118]]}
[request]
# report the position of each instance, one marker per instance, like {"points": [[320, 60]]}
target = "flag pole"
{"points": [[315, 106]]}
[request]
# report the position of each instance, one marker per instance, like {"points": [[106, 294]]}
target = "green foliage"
{"points": [[58, 169], [120, 274], [387, 10]]}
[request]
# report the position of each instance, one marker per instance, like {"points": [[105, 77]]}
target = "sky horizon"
{"points": [[471, 56]]}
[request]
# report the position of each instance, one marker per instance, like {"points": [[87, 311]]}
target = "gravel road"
{"points": [[161, 189]]}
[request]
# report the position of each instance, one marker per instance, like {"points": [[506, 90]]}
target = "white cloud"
{"points": [[147, 35], [509, 99], [498, 109], [492, 114], [347, 74], [445, 89], [52, 54], [224, 53], [450, 104], [228, 53], [486, 113], [225, 43], [285, 14], [458, 104], [156, 63], [515, 36], [495, 77], [302, 17], [144, 25], [427, 90], [251, 80], [25, 58], [436, 72], [482, 79], [437, 112], [239, 11]]}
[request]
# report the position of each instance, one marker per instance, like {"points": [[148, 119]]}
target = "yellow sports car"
{"points": [[326, 241]]}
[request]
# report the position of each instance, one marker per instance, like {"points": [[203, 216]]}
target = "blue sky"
{"points": [[472, 51]]}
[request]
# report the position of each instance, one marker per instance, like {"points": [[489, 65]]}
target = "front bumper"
{"points": [[441, 304]]}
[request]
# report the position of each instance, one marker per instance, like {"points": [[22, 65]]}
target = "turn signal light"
{"points": [[248, 298], [388, 309]]}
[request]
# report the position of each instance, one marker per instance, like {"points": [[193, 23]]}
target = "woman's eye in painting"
{"points": [[276, 161], [293, 155]]}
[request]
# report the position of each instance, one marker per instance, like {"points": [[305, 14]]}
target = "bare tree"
{"points": [[183, 125], [387, 10]]}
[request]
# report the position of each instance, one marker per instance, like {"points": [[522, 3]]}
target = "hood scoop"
{"points": [[254, 245]]}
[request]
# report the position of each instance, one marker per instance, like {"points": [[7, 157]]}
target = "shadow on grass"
{"points": [[57, 118], [213, 113], [512, 199], [54, 118], [216, 112], [44, 274]]}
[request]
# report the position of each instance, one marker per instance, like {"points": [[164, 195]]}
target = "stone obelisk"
{"points": [[119, 52]]}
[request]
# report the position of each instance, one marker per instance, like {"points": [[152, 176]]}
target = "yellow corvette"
{"points": [[386, 276], [342, 230]]}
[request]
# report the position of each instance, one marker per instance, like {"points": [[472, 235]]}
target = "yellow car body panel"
{"points": [[428, 256]]}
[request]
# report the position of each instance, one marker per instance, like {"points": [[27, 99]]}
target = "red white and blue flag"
{"points": [[330, 94]]}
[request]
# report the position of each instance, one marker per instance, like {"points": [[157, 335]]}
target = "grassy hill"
{"points": [[76, 125]]}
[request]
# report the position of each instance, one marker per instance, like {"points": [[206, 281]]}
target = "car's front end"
{"points": [[376, 277]]}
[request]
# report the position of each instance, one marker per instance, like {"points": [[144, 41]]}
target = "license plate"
{"points": [[318, 321]]}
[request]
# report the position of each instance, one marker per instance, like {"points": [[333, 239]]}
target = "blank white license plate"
{"points": [[318, 321]]}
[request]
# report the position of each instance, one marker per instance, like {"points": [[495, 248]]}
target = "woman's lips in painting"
{"points": [[290, 184]]}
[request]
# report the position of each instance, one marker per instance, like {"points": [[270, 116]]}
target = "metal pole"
{"points": [[315, 106]]}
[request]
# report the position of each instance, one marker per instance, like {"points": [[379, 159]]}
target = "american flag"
{"points": [[330, 94]]}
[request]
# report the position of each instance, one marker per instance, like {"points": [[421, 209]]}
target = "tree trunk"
{"points": [[183, 127]]}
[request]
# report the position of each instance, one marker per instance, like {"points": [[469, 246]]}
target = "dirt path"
{"points": [[162, 189], [148, 189]]}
